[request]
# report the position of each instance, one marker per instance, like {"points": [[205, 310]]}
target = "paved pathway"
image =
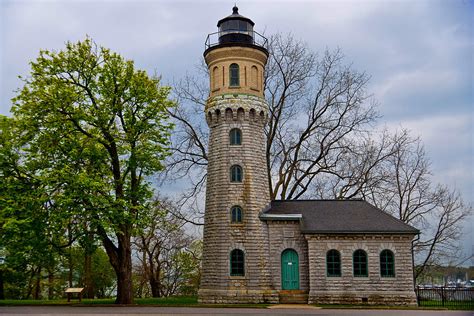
{"points": [[185, 311]]}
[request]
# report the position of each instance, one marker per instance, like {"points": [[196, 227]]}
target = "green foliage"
{"points": [[102, 273], [87, 131], [187, 262], [88, 120]]}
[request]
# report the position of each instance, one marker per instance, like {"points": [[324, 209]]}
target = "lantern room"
{"points": [[235, 29]]}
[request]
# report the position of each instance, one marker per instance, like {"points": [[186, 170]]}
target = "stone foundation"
{"points": [[392, 298], [212, 296]]}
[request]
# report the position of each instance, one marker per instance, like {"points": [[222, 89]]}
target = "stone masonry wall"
{"points": [[287, 235], [248, 113], [373, 289]]}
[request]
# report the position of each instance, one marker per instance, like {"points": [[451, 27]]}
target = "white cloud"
{"points": [[449, 143], [419, 53], [417, 81]]}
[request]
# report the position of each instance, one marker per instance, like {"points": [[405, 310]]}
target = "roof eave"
{"points": [[280, 217], [334, 232]]}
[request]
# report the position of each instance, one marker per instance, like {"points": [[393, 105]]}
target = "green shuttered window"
{"points": [[387, 264], [235, 136], [236, 213], [237, 263], [359, 259], [236, 173], [333, 263]]}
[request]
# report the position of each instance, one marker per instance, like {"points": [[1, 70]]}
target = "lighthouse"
{"points": [[235, 263]]}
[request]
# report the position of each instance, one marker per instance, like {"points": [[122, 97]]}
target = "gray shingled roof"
{"points": [[336, 216]]}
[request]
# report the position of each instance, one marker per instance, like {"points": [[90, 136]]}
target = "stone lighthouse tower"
{"points": [[235, 266]]}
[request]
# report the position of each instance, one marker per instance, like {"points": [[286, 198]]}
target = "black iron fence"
{"points": [[446, 297]]}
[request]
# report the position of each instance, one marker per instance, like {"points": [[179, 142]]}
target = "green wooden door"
{"points": [[290, 275]]}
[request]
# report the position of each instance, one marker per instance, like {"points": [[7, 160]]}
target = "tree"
{"points": [[317, 105], [409, 194], [168, 256], [102, 276], [330, 99], [31, 246], [93, 129], [321, 144]]}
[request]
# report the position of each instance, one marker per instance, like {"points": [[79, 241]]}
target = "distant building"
{"points": [[257, 250]]}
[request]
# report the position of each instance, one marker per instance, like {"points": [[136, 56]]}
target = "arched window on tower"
{"points": [[237, 263], [235, 136], [236, 214], [234, 75], [236, 173], [387, 264]]}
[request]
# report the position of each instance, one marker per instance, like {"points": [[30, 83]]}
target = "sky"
{"points": [[419, 54]]}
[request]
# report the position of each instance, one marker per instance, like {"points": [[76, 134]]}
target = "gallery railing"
{"points": [[247, 37]]}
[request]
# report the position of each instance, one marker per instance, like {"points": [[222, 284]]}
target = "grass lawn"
{"points": [[191, 301], [165, 301], [181, 301]]}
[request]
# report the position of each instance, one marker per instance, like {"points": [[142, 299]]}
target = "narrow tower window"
{"points": [[333, 263], [254, 77], [234, 75], [236, 173], [236, 213], [387, 264], [215, 78], [235, 136], [360, 263], [237, 262]]}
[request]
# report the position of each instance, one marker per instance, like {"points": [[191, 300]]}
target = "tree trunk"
{"points": [[121, 260], [50, 284], [124, 271], [70, 267], [70, 256], [2, 291], [37, 285], [154, 274], [88, 275], [155, 285]]}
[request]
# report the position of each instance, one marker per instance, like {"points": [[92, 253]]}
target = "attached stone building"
{"points": [[257, 250]]}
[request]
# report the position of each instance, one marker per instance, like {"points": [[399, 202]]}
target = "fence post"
{"points": [[442, 295]]}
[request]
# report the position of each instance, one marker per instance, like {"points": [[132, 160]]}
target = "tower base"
{"points": [[213, 296]]}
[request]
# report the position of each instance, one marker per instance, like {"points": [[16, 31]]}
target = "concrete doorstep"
{"points": [[294, 306]]}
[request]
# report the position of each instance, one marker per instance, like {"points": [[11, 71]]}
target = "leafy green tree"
{"points": [[102, 276], [92, 130], [25, 232]]}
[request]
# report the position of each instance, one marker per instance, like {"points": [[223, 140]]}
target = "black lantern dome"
{"points": [[235, 28]]}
